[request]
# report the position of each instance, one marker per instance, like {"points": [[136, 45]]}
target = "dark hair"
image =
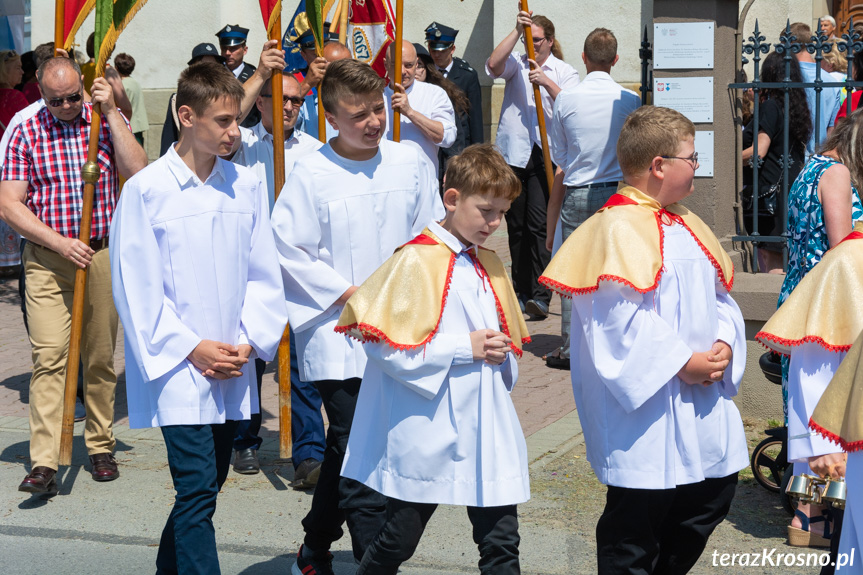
{"points": [[460, 102], [203, 83], [799, 121], [91, 45], [481, 169], [345, 78], [52, 64], [124, 64], [43, 52], [600, 47], [858, 67]]}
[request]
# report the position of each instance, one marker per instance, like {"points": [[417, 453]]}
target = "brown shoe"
{"points": [[104, 467], [39, 480]]}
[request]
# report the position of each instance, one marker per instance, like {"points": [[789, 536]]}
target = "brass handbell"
{"points": [[834, 492], [800, 487]]}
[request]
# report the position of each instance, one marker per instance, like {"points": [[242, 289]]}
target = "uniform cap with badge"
{"points": [[205, 49], [440, 37], [232, 35]]}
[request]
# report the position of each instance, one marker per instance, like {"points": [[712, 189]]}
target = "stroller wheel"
{"points": [[768, 465]]}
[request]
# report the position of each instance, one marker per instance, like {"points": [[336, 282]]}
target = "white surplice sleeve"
{"points": [[312, 285], [159, 340], [733, 332], [264, 315], [425, 369], [634, 351], [443, 112], [429, 206]]}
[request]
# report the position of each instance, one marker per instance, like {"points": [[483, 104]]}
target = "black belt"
{"points": [[99, 244], [594, 186]]}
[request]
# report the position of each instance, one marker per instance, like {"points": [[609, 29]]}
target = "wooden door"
{"points": [[844, 11]]}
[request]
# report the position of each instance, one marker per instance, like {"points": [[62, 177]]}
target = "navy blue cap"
{"points": [[205, 49], [422, 52], [232, 35], [440, 37], [307, 39]]}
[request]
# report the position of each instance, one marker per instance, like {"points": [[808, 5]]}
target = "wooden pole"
{"points": [[322, 120], [343, 21], [59, 20], [397, 70], [90, 174], [283, 358], [537, 97]]}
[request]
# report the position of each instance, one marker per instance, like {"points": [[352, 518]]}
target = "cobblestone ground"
{"points": [[541, 397]]}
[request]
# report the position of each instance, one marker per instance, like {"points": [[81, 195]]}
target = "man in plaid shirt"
{"points": [[41, 195]]}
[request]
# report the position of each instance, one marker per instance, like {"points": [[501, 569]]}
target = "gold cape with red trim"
{"points": [[622, 242], [826, 307], [839, 414], [402, 303]]}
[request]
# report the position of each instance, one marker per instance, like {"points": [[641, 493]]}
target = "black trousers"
{"points": [[495, 531], [526, 224], [661, 531], [338, 500]]}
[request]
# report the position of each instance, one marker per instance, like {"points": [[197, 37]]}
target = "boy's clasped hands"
{"points": [[490, 345], [220, 360], [707, 367]]}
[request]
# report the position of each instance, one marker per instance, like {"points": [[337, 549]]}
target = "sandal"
{"points": [[802, 537]]}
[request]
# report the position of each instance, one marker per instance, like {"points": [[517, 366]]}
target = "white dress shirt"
{"points": [[585, 126], [644, 428], [238, 70], [433, 425], [256, 153], [432, 102], [518, 130], [344, 218], [193, 260]]}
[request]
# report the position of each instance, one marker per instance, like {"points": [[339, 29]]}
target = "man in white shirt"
{"points": [[254, 149], [427, 115], [519, 140], [583, 134]]}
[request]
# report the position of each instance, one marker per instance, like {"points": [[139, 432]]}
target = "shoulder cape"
{"points": [[622, 242], [839, 414], [402, 303], [826, 307]]}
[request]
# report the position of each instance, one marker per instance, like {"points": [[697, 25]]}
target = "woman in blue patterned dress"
{"points": [[823, 205]]}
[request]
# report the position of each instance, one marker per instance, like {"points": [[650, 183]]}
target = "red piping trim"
{"points": [[422, 239], [847, 446], [852, 236], [763, 337], [727, 284], [617, 199]]}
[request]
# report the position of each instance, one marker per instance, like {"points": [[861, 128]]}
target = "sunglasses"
{"points": [[57, 102], [9, 55], [295, 100]]}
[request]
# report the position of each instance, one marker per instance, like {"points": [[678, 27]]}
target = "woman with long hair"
{"points": [[771, 135], [518, 138], [428, 72], [11, 100]]}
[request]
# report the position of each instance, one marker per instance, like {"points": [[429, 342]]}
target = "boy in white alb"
{"points": [[197, 287], [658, 351], [345, 209], [434, 421]]}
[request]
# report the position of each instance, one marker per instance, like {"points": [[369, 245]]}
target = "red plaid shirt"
{"points": [[49, 154]]}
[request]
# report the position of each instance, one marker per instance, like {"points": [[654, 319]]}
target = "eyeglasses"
{"points": [[57, 102], [693, 159], [535, 40], [295, 100]]}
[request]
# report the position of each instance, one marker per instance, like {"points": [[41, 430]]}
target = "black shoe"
{"points": [[306, 475], [536, 308], [318, 564], [557, 362], [246, 461]]}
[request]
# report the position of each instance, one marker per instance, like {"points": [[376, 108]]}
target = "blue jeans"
{"points": [[579, 203], [307, 423], [199, 457]]}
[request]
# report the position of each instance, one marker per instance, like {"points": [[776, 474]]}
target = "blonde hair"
{"points": [[548, 30], [481, 169], [6, 56], [838, 61], [648, 132]]}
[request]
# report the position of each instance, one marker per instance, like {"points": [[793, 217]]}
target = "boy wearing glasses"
{"points": [[254, 149], [40, 197], [658, 351]]}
